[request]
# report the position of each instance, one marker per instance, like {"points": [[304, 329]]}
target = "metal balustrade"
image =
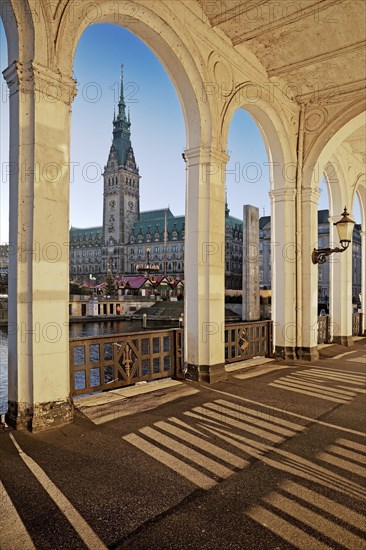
{"points": [[357, 324], [248, 340], [324, 329], [109, 362], [324, 323], [103, 363]]}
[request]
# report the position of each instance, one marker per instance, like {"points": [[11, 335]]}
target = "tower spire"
{"points": [[121, 103], [227, 210], [121, 128]]}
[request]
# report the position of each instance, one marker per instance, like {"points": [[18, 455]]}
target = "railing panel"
{"points": [[247, 340], [324, 329], [109, 362], [103, 363], [357, 324]]}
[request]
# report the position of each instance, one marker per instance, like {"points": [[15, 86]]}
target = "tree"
{"points": [[111, 287]]}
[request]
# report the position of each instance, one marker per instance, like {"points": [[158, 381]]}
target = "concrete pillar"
{"points": [[251, 308], [204, 260], [308, 292], [363, 279], [283, 250], [340, 283], [39, 380]]}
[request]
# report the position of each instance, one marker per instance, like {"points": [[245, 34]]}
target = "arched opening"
{"points": [[148, 196], [341, 161], [357, 255], [278, 235], [247, 183], [4, 224], [323, 241], [177, 60]]}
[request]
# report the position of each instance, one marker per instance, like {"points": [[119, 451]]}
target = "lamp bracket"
{"points": [[319, 255]]}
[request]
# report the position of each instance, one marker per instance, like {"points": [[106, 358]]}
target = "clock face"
{"points": [[112, 204], [130, 205]]}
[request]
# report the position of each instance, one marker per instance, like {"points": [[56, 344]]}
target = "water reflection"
{"points": [[80, 330]]}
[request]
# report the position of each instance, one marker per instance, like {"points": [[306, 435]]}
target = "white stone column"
{"points": [[308, 305], [283, 253], [39, 379], [363, 279], [340, 284], [204, 260]]}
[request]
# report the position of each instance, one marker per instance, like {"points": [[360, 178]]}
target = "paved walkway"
{"points": [[274, 458]]}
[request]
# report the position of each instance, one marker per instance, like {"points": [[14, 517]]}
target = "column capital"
{"points": [[45, 83], [205, 155], [282, 195], [310, 194]]}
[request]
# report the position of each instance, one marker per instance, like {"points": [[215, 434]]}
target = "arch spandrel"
{"points": [[160, 37], [322, 141]]}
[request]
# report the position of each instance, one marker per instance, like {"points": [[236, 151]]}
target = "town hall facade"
{"points": [[129, 236]]}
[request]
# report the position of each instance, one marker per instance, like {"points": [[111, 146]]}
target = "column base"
{"points": [[39, 416], [207, 373], [343, 340], [285, 352], [308, 354]]}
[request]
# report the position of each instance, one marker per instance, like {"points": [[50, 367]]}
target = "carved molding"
{"points": [[205, 155], [282, 195], [35, 78], [221, 72]]}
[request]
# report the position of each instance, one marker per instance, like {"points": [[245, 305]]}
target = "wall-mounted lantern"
{"points": [[345, 228]]}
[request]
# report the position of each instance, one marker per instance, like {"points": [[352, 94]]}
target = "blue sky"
{"points": [[158, 132]]}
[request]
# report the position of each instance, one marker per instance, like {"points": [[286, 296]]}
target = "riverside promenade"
{"points": [[273, 458]]}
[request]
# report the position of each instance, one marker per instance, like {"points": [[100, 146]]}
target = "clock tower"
{"points": [[121, 205]]}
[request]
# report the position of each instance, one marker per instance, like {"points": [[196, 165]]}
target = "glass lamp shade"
{"points": [[345, 227]]}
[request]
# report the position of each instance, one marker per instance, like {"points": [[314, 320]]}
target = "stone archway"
{"points": [[327, 153], [279, 144], [39, 387]]}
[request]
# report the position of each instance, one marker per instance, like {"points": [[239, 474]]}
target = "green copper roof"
{"points": [[263, 221], [156, 215], [77, 233], [154, 220]]}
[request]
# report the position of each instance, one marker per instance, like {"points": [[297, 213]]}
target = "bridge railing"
{"points": [[357, 324], [109, 362], [324, 329], [324, 322], [248, 340]]}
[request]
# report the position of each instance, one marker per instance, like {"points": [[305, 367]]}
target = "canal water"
{"points": [[76, 330]]}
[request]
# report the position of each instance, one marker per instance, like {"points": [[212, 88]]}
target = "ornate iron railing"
{"points": [[246, 340], [108, 362], [103, 363], [357, 324], [324, 329]]}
